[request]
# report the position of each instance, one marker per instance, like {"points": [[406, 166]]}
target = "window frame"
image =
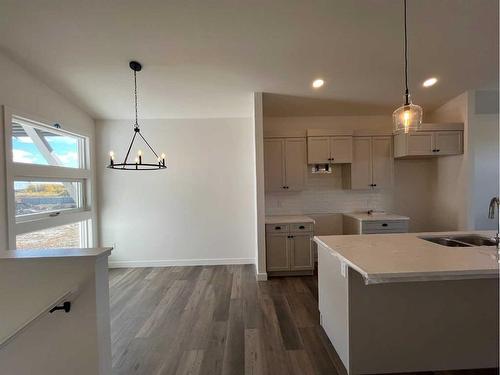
{"points": [[32, 172]]}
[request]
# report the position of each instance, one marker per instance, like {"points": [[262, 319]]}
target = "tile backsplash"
{"points": [[324, 194]]}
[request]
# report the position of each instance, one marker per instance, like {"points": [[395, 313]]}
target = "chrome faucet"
{"points": [[495, 202]]}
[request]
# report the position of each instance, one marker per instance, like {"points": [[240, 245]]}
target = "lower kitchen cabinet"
{"points": [[301, 252], [278, 252], [289, 249]]}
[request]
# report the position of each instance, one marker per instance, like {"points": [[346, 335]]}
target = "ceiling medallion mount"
{"points": [[408, 117], [138, 163]]}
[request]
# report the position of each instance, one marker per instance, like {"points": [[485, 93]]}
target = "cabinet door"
{"points": [[277, 252], [420, 143], [318, 150], [361, 167], [382, 162], [295, 164], [274, 164], [341, 149], [301, 252], [448, 143]]}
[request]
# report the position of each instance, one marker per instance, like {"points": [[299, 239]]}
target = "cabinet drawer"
{"points": [[301, 227], [277, 228], [381, 226]]}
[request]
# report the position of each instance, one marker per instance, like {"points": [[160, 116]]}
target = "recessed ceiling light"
{"points": [[429, 82], [317, 83]]}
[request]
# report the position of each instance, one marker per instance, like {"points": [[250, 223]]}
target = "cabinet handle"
{"points": [[438, 150], [302, 227], [384, 225], [277, 228], [374, 185]]}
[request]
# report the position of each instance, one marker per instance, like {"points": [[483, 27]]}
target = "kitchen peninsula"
{"points": [[404, 303]]}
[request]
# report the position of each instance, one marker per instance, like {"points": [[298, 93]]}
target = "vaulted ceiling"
{"points": [[204, 58]]}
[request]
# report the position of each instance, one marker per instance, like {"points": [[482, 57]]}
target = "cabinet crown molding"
{"points": [[439, 126], [328, 132]]}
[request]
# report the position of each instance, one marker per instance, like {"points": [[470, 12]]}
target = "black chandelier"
{"points": [[138, 163]]}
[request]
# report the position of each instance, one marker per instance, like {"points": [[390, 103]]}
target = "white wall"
{"points": [[23, 92], [260, 207], [324, 194], [200, 210]]}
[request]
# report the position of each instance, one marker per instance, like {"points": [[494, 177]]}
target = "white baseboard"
{"points": [[261, 276], [179, 262]]}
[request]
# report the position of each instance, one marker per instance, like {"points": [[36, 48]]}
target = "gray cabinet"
{"points": [[289, 249], [428, 143], [372, 164], [329, 150], [285, 164]]}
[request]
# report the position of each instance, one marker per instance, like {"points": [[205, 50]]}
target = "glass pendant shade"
{"points": [[407, 118]]}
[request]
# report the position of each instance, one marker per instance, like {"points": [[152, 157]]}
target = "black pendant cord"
{"points": [[135, 97], [407, 92]]}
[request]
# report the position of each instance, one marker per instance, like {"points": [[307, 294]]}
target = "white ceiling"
{"points": [[204, 58]]}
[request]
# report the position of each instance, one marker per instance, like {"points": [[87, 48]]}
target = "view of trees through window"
{"points": [[38, 197]]}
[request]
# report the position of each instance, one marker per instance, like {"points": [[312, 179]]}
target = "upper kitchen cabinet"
{"points": [[329, 147], [285, 164], [430, 140], [372, 164]]}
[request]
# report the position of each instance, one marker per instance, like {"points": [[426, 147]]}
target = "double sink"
{"points": [[465, 240]]}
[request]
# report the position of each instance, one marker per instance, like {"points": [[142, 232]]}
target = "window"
{"points": [[48, 185]]}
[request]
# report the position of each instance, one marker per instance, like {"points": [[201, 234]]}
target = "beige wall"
{"points": [[450, 188], [464, 184], [324, 194], [23, 92], [200, 210]]}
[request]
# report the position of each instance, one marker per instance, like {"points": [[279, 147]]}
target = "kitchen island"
{"points": [[400, 303]]}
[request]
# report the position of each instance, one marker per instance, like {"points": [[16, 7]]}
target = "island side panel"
{"points": [[333, 302], [422, 326]]}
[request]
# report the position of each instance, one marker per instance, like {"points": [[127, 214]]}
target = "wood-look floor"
{"points": [[218, 320]]}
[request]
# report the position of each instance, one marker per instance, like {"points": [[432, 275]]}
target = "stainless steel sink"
{"points": [[467, 240], [475, 240]]}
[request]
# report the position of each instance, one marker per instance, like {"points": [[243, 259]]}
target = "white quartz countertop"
{"points": [[406, 257], [56, 253], [288, 219], [364, 216]]}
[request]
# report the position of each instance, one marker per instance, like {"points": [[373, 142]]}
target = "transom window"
{"points": [[48, 185]]}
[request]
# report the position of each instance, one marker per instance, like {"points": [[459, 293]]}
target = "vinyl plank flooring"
{"points": [[215, 320]]}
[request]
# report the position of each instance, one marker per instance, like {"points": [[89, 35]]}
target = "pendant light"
{"points": [[138, 163], [408, 117]]}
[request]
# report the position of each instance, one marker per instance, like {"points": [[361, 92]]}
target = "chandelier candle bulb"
{"points": [[139, 153], [111, 157]]}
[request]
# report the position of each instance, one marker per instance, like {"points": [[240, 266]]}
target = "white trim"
{"points": [[36, 225], [179, 262], [23, 170], [261, 276]]}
